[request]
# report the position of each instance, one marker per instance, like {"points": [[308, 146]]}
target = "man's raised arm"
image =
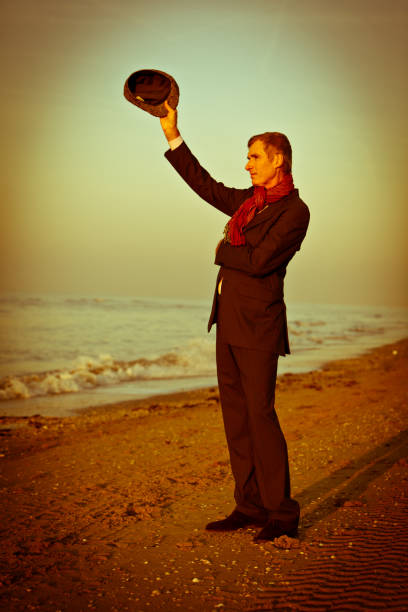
{"points": [[226, 199]]}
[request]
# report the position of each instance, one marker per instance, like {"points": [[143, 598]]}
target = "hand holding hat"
{"points": [[169, 122]]}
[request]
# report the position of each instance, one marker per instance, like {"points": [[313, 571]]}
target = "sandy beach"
{"points": [[106, 510]]}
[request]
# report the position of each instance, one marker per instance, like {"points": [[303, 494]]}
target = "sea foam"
{"points": [[193, 360]]}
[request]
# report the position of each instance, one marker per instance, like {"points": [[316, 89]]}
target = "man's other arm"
{"points": [[277, 248]]}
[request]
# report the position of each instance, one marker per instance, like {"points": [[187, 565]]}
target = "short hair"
{"points": [[275, 142]]}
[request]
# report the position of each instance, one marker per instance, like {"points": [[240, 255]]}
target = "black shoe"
{"points": [[234, 521], [275, 529]]}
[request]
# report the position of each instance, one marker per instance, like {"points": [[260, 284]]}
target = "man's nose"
{"points": [[248, 166]]}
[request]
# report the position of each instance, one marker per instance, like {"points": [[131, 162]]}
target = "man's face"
{"points": [[264, 171]]}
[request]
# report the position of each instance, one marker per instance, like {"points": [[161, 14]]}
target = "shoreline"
{"points": [[200, 391], [75, 404], [318, 336], [106, 510]]}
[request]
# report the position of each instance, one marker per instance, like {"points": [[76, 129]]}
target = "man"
{"points": [[268, 223]]}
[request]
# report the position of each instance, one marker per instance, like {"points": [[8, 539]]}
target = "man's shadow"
{"points": [[350, 481]]}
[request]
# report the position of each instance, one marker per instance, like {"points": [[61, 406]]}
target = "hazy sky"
{"points": [[91, 206]]}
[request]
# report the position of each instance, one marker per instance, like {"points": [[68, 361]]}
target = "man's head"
{"points": [[269, 158]]}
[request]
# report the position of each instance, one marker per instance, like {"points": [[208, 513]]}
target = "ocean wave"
{"points": [[308, 323], [169, 304], [21, 301], [365, 329], [85, 301], [194, 360]]}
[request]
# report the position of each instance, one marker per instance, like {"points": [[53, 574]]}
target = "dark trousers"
{"points": [[257, 446]]}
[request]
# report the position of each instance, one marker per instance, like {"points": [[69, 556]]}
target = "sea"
{"points": [[60, 354]]}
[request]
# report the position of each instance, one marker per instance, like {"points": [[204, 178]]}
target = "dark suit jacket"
{"points": [[252, 288]]}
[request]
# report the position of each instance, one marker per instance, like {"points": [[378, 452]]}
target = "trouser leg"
{"points": [[257, 446], [258, 371], [236, 424]]}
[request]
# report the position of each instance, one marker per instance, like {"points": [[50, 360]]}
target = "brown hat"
{"points": [[149, 89]]}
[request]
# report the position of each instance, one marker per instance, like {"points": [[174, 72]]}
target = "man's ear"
{"points": [[278, 160]]}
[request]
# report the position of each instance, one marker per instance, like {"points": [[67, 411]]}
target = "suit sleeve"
{"points": [[225, 199], [277, 247]]}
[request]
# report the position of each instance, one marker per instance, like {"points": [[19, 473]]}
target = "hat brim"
{"points": [[157, 110]]}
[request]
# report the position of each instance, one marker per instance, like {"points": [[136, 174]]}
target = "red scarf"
{"points": [[233, 232]]}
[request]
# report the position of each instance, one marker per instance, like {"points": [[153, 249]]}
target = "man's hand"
{"points": [[169, 123]]}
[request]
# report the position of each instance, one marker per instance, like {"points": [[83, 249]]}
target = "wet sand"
{"points": [[105, 510]]}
